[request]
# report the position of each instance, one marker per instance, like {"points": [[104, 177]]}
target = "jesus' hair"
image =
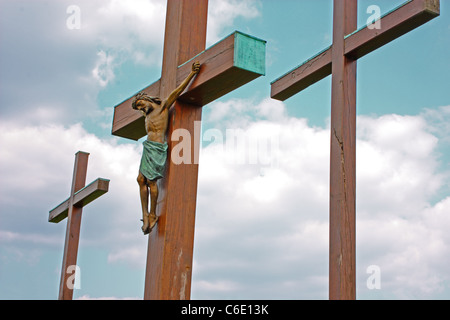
{"points": [[146, 97]]}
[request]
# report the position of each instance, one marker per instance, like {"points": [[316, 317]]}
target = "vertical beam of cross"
{"points": [[72, 208], [171, 243], [343, 154]]}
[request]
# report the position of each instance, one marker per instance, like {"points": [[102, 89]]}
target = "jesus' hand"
{"points": [[196, 67]]}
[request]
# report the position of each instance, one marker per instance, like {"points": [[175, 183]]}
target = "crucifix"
{"points": [[229, 64], [340, 61], [72, 208]]}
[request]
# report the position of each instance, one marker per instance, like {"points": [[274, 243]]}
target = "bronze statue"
{"points": [[154, 156]]}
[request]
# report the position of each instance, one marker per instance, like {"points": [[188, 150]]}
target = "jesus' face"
{"points": [[145, 106]]}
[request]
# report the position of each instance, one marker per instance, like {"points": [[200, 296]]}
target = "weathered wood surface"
{"points": [[81, 198]]}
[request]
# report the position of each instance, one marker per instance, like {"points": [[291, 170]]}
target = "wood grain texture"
{"points": [[342, 260]]}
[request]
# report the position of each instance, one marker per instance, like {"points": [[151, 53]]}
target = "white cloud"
{"points": [[7, 236], [222, 14], [133, 255], [257, 224]]}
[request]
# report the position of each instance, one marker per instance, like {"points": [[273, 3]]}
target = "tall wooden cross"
{"points": [[340, 61], [229, 64], [72, 208]]}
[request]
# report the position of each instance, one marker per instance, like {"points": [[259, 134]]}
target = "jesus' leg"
{"points": [[143, 191], [153, 218]]}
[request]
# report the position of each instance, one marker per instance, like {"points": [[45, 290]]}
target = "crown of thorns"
{"points": [[146, 97]]}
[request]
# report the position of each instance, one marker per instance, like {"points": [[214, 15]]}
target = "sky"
{"points": [[262, 212]]}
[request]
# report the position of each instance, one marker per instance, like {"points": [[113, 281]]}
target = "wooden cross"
{"points": [[340, 61], [80, 196], [229, 64]]}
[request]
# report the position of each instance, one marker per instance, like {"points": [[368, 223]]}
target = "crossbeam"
{"points": [[396, 23], [226, 66], [80, 199], [340, 60]]}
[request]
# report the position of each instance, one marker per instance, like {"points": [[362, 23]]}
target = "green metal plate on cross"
{"points": [[250, 53]]}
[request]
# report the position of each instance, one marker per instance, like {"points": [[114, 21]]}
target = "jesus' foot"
{"points": [[149, 223], [146, 224]]}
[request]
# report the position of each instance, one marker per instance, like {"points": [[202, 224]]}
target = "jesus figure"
{"points": [[154, 156]]}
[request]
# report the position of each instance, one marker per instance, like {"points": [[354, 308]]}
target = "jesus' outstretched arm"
{"points": [[178, 91]]}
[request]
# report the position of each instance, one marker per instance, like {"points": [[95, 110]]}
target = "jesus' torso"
{"points": [[156, 123]]}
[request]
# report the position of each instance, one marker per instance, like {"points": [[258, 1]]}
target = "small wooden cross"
{"points": [[80, 196], [340, 61], [229, 64]]}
